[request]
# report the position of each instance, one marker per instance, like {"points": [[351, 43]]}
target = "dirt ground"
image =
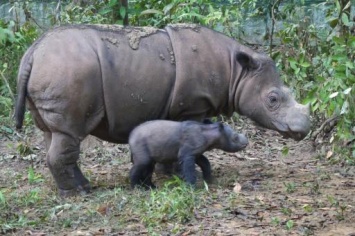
{"points": [[264, 190]]}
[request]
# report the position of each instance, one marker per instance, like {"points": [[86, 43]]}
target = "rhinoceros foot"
{"points": [[80, 190], [62, 157], [80, 183]]}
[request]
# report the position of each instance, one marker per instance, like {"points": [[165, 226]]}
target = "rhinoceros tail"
{"points": [[22, 81]]}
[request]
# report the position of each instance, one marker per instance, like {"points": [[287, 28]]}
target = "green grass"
{"points": [[37, 206], [176, 201]]}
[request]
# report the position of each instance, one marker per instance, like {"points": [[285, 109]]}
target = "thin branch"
{"points": [[277, 2], [58, 11], [326, 126], [29, 16], [7, 85]]}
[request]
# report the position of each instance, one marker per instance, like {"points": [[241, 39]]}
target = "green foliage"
{"points": [[11, 217], [99, 12], [308, 208], [14, 40], [176, 201], [221, 15], [289, 224], [114, 10], [76, 14], [24, 148], [34, 177], [290, 187], [320, 65], [286, 211], [275, 221], [339, 207], [2, 199]]}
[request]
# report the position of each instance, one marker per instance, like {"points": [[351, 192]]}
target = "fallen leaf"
{"points": [[218, 206], [104, 209], [8, 157], [79, 233], [186, 233], [30, 157], [32, 233], [329, 154], [237, 188]]}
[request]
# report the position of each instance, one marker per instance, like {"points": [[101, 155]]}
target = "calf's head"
{"points": [[261, 96], [228, 140]]}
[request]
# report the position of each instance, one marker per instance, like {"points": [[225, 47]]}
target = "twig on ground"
{"points": [[326, 126]]}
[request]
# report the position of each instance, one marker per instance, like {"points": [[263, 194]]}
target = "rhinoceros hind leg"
{"points": [[141, 175], [62, 159], [47, 140]]}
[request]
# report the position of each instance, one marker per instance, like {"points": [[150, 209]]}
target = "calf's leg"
{"points": [[205, 166], [142, 171], [187, 163]]}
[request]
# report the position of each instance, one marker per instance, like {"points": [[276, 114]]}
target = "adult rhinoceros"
{"points": [[104, 80]]}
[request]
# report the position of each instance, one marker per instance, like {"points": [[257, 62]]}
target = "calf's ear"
{"points": [[207, 121], [220, 126], [246, 61]]}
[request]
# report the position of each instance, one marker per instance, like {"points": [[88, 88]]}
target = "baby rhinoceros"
{"points": [[163, 141]]}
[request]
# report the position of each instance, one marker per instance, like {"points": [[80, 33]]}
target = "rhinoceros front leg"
{"points": [[187, 163], [205, 166], [62, 158]]}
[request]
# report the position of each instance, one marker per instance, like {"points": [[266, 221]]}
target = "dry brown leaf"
{"points": [[103, 209]]}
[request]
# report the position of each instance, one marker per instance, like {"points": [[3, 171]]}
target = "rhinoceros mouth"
{"points": [[293, 135], [285, 130]]}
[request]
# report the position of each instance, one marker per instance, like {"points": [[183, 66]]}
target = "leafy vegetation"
{"points": [[175, 201], [319, 64]]}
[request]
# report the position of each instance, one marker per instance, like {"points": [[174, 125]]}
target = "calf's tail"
{"points": [[22, 81]]}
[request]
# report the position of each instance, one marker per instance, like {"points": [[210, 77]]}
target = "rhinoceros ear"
{"points": [[207, 121], [245, 60]]}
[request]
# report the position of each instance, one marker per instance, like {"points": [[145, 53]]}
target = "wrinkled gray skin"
{"points": [[105, 80], [163, 141]]}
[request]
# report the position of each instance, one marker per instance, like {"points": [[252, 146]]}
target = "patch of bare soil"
{"points": [[259, 191]]}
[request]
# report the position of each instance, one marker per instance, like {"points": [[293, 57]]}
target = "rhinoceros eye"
{"points": [[273, 101], [235, 137]]}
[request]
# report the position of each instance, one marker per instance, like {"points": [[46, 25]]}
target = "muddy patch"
{"points": [[193, 27]]}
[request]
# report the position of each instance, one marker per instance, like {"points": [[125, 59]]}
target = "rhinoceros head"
{"points": [[262, 97]]}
